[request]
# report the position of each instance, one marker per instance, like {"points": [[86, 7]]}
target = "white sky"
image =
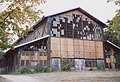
{"points": [[98, 8]]}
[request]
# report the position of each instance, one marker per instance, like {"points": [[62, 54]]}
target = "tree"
{"points": [[117, 57], [17, 19], [111, 36], [114, 24]]}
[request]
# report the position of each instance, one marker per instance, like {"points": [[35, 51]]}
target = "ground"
{"points": [[81, 76]]}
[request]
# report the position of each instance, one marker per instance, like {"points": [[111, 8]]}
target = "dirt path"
{"points": [[18, 78], [84, 76]]}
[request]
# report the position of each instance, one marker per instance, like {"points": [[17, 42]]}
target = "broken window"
{"points": [[90, 63], [75, 27]]}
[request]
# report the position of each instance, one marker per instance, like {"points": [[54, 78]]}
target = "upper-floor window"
{"points": [[75, 27]]}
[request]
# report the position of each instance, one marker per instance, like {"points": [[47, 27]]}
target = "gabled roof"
{"points": [[82, 11], [113, 44]]}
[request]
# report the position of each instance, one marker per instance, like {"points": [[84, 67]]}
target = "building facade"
{"points": [[111, 52], [74, 35]]}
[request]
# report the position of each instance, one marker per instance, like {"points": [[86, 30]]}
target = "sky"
{"points": [[98, 8]]}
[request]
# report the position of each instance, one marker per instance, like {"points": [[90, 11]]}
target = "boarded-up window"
{"points": [[22, 62]]}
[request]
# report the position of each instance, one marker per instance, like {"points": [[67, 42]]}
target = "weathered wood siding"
{"points": [[76, 36], [40, 31]]}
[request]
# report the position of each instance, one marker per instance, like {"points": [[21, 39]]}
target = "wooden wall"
{"points": [[33, 58], [40, 31], [75, 48], [74, 24]]}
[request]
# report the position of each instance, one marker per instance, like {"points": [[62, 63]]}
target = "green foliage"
{"points": [[43, 69], [65, 65], [117, 57], [1, 55], [25, 70], [111, 36], [17, 18], [117, 2], [91, 69], [114, 24]]}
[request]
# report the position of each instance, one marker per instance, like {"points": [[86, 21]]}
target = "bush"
{"points": [[66, 65], [26, 70], [43, 69], [52, 68], [91, 69]]}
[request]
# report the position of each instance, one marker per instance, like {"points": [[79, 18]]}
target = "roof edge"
{"points": [[31, 41], [113, 44], [81, 10]]}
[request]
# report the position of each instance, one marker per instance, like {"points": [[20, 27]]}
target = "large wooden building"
{"points": [[74, 35]]}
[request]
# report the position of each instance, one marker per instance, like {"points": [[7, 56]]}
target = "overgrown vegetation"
{"points": [[37, 69], [1, 54], [114, 25], [65, 65], [26, 70], [16, 19], [117, 57], [111, 36], [43, 69]]}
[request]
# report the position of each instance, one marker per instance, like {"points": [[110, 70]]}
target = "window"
{"points": [[34, 63], [27, 62], [90, 63], [41, 62], [106, 65], [62, 32], [45, 62], [22, 62]]}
